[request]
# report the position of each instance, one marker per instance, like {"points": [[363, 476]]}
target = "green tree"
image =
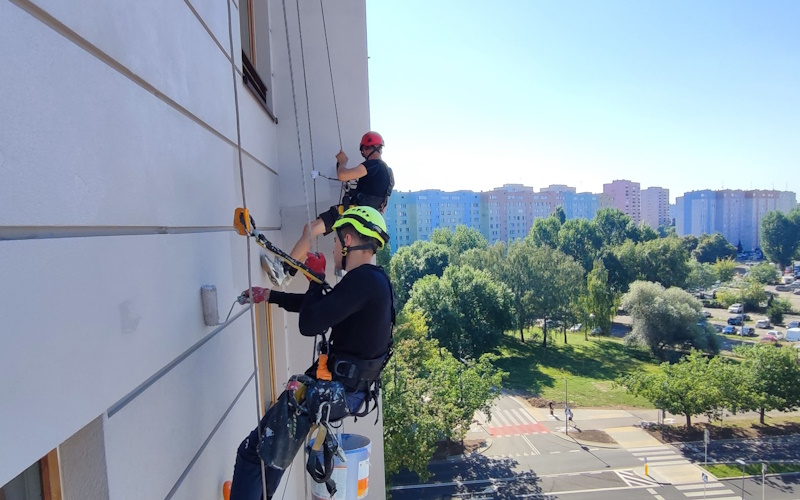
{"points": [[764, 379], [578, 238], [614, 226], [518, 274], [713, 247], [690, 387], [665, 319], [557, 282], [491, 259], [600, 299], [647, 233], [701, 275], [780, 236], [544, 232], [690, 243], [560, 214], [459, 241], [664, 261], [384, 257], [429, 396], [413, 262], [777, 309], [725, 269], [665, 231], [467, 310], [764, 273], [749, 293]]}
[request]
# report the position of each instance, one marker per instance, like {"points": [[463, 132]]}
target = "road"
{"points": [[530, 456]]}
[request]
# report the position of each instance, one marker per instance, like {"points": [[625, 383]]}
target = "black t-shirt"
{"points": [[358, 311], [377, 183]]}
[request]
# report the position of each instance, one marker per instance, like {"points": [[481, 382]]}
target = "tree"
{"points": [[491, 259], [725, 269], [467, 310], [600, 299], [780, 236], [544, 232], [614, 226], [663, 260], [701, 275], [713, 247], [777, 309], [578, 238], [429, 396], [690, 242], [749, 293], [764, 273], [518, 274], [557, 282], [665, 231], [413, 262], [665, 318], [689, 387], [647, 233], [384, 257], [765, 379]]}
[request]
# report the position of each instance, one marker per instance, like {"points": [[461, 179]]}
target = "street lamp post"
{"points": [[566, 407], [742, 463]]}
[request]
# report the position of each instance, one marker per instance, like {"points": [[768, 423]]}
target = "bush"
{"points": [[777, 309]]}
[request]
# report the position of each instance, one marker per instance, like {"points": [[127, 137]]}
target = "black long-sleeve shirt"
{"points": [[358, 310]]}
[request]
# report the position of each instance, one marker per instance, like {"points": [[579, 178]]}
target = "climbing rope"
{"points": [[330, 70], [249, 270]]}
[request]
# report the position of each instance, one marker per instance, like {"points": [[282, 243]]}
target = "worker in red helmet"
{"points": [[374, 182]]}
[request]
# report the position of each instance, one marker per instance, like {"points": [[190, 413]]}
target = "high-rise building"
{"points": [[654, 206], [736, 214], [624, 196]]}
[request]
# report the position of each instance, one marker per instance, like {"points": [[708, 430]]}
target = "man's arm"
{"points": [[320, 312], [345, 174], [291, 302]]}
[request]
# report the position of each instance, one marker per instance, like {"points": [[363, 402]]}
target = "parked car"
{"points": [[796, 292], [793, 324], [706, 314], [793, 334], [576, 328], [783, 288], [763, 323], [736, 309], [775, 333], [596, 331], [747, 331], [730, 330], [736, 320], [718, 328], [769, 338]]}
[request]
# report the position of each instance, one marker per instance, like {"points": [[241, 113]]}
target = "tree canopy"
{"points": [[713, 247], [780, 236], [767, 379], [413, 262]]}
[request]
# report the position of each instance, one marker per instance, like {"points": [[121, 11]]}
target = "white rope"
{"points": [[249, 267], [330, 70]]}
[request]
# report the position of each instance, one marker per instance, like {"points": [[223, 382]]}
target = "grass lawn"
{"points": [[731, 428], [590, 368], [722, 471]]}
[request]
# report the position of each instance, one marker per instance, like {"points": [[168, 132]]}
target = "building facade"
{"points": [[624, 196], [655, 207], [130, 132], [736, 214]]}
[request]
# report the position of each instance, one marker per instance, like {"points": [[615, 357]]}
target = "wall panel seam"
{"points": [[12, 233], [62, 29], [208, 440], [122, 403]]}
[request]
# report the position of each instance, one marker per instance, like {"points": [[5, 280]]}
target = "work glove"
{"points": [[259, 295], [315, 262]]}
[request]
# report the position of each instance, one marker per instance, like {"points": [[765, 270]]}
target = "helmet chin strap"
{"points": [[346, 249]]}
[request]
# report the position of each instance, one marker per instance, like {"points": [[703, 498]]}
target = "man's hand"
{"points": [[341, 159], [259, 295], [316, 263]]}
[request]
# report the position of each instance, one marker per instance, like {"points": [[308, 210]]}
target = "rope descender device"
{"points": [[244, 225]]}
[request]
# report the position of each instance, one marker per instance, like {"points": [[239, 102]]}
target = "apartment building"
{"points": [[736, 214], [412, 216], [130, 131], [654, 207], [624, 195]]}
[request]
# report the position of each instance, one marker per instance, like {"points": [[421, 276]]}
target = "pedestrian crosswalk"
{"points": [[659, 455], [714, 490], [513, 422]]}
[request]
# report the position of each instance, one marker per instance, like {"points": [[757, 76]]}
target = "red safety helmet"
{"points": [[371, 139]]}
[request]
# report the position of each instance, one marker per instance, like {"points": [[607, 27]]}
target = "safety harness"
{"points": [[315, 399]]}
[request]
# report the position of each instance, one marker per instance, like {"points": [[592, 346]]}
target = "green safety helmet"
{"points": [[367, 221]]}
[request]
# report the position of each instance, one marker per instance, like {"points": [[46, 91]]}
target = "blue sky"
{"points": [[679, 94]]}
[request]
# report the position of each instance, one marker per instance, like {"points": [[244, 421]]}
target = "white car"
{"points": [[763, 323], [576, 328], [775, 333], [736, 309]]}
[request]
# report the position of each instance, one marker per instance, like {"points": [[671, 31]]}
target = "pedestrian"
{"points": [[374, 184], [359, 310], [569, 416], [550, 404]]}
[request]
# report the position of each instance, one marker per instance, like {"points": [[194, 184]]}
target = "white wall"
{"points": [[119, 173]]}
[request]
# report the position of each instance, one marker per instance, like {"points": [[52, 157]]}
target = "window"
{"points": [[40, 481], [256, 63]]}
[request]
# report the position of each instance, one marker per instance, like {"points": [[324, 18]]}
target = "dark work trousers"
{"points": [[247, 470]]}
